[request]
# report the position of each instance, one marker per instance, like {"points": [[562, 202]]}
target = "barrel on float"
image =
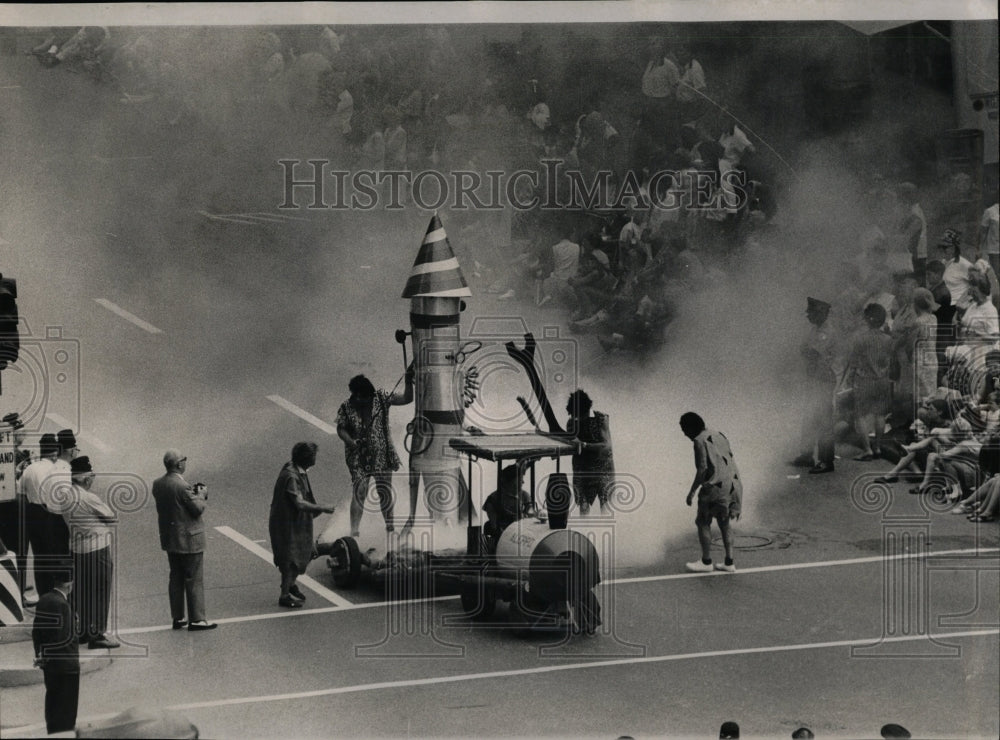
{"points": [[560, 563]]}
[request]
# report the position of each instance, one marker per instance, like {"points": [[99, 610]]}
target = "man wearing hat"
{"points": [[57, 493], [12, 511], [179, 509], [36, 515], [91, 527], [57, 651], [821, 380], [956, 269]]}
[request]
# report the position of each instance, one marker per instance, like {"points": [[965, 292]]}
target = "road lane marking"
{"points": [[303, 414], [376, 604], [538, 670], [798, 566], [84, 437], [214, 217], [144, 325], [260, 552], [293, 613], [282, 216]]}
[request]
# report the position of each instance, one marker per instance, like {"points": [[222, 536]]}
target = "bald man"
{"points": [[179, 508]]}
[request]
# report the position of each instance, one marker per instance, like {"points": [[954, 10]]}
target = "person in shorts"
{"points": [[719, 488]]}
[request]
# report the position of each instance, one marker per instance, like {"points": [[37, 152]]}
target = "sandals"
{"points": [[867, 457], [887, 479]]}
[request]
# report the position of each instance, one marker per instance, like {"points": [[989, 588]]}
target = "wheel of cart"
{"points": [[345, 562], [479, 599]]}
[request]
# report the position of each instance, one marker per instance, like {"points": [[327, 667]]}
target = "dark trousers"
{"points": [[62, 695], [92, 592], [13, 535], [51, 545], [186, 581]]}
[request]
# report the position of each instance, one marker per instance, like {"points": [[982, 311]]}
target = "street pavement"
{"points": [[103, 201]]}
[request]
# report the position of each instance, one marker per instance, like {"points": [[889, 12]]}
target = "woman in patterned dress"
{"points": [[363, 424]]}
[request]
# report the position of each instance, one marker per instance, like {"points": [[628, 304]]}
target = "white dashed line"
{"points": [[260, 552], [303, 414], [541, 670], [131, 317]]}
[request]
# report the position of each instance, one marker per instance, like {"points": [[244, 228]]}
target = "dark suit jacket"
{"points": [[54, 634], [179, 511]]}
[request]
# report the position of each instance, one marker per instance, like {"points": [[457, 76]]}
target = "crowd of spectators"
{"points": [[904, 364], [426, 98]]}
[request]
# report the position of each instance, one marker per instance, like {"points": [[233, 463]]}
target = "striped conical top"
{"points": [[436, 272]]}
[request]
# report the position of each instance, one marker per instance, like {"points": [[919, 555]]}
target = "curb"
{"points": [[16, 667]]}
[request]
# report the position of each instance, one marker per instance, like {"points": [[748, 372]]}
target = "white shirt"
{"points": [[659, 80], [917, 211], [565, 258], [990, 225], [735, 144], [32, 478], [692, 79], [956, 277], [87, 531], [980, 321], [56, 489]]}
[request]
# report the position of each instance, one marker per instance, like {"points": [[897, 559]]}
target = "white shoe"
{"points": [[506, 296], [726, 568], [960, 509], [698, 567]]}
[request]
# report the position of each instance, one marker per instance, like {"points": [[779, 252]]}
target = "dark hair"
{"points": [[360, 385], [691, 424], [580, 403], [304, 454], [803, 732], [874, 314], [934, 266]]}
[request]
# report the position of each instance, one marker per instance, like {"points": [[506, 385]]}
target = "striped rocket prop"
{"points": [[436, 272], [10, 592], [435, 289]]}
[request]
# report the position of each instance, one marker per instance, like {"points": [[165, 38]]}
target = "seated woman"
{"points": [[960, 462], [932, 422]]}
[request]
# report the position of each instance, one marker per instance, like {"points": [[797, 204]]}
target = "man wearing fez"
{"points": [[91, 527], [819, 354], [35, 514], [179, 509], [56, 493], [57, 651]]}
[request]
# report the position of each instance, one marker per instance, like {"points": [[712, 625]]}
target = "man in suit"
{"points": [[179, 508], [57, 652]]}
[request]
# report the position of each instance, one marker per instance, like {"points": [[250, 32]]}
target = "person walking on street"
{"points": [[293, 509], [719, 488], [57, 652], [179, 510]]}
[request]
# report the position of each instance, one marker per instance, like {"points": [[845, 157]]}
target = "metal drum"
{"points": [[561, 564]]}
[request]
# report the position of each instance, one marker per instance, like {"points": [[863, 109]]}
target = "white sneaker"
{"points": [[726, 568], [698, 567]]}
